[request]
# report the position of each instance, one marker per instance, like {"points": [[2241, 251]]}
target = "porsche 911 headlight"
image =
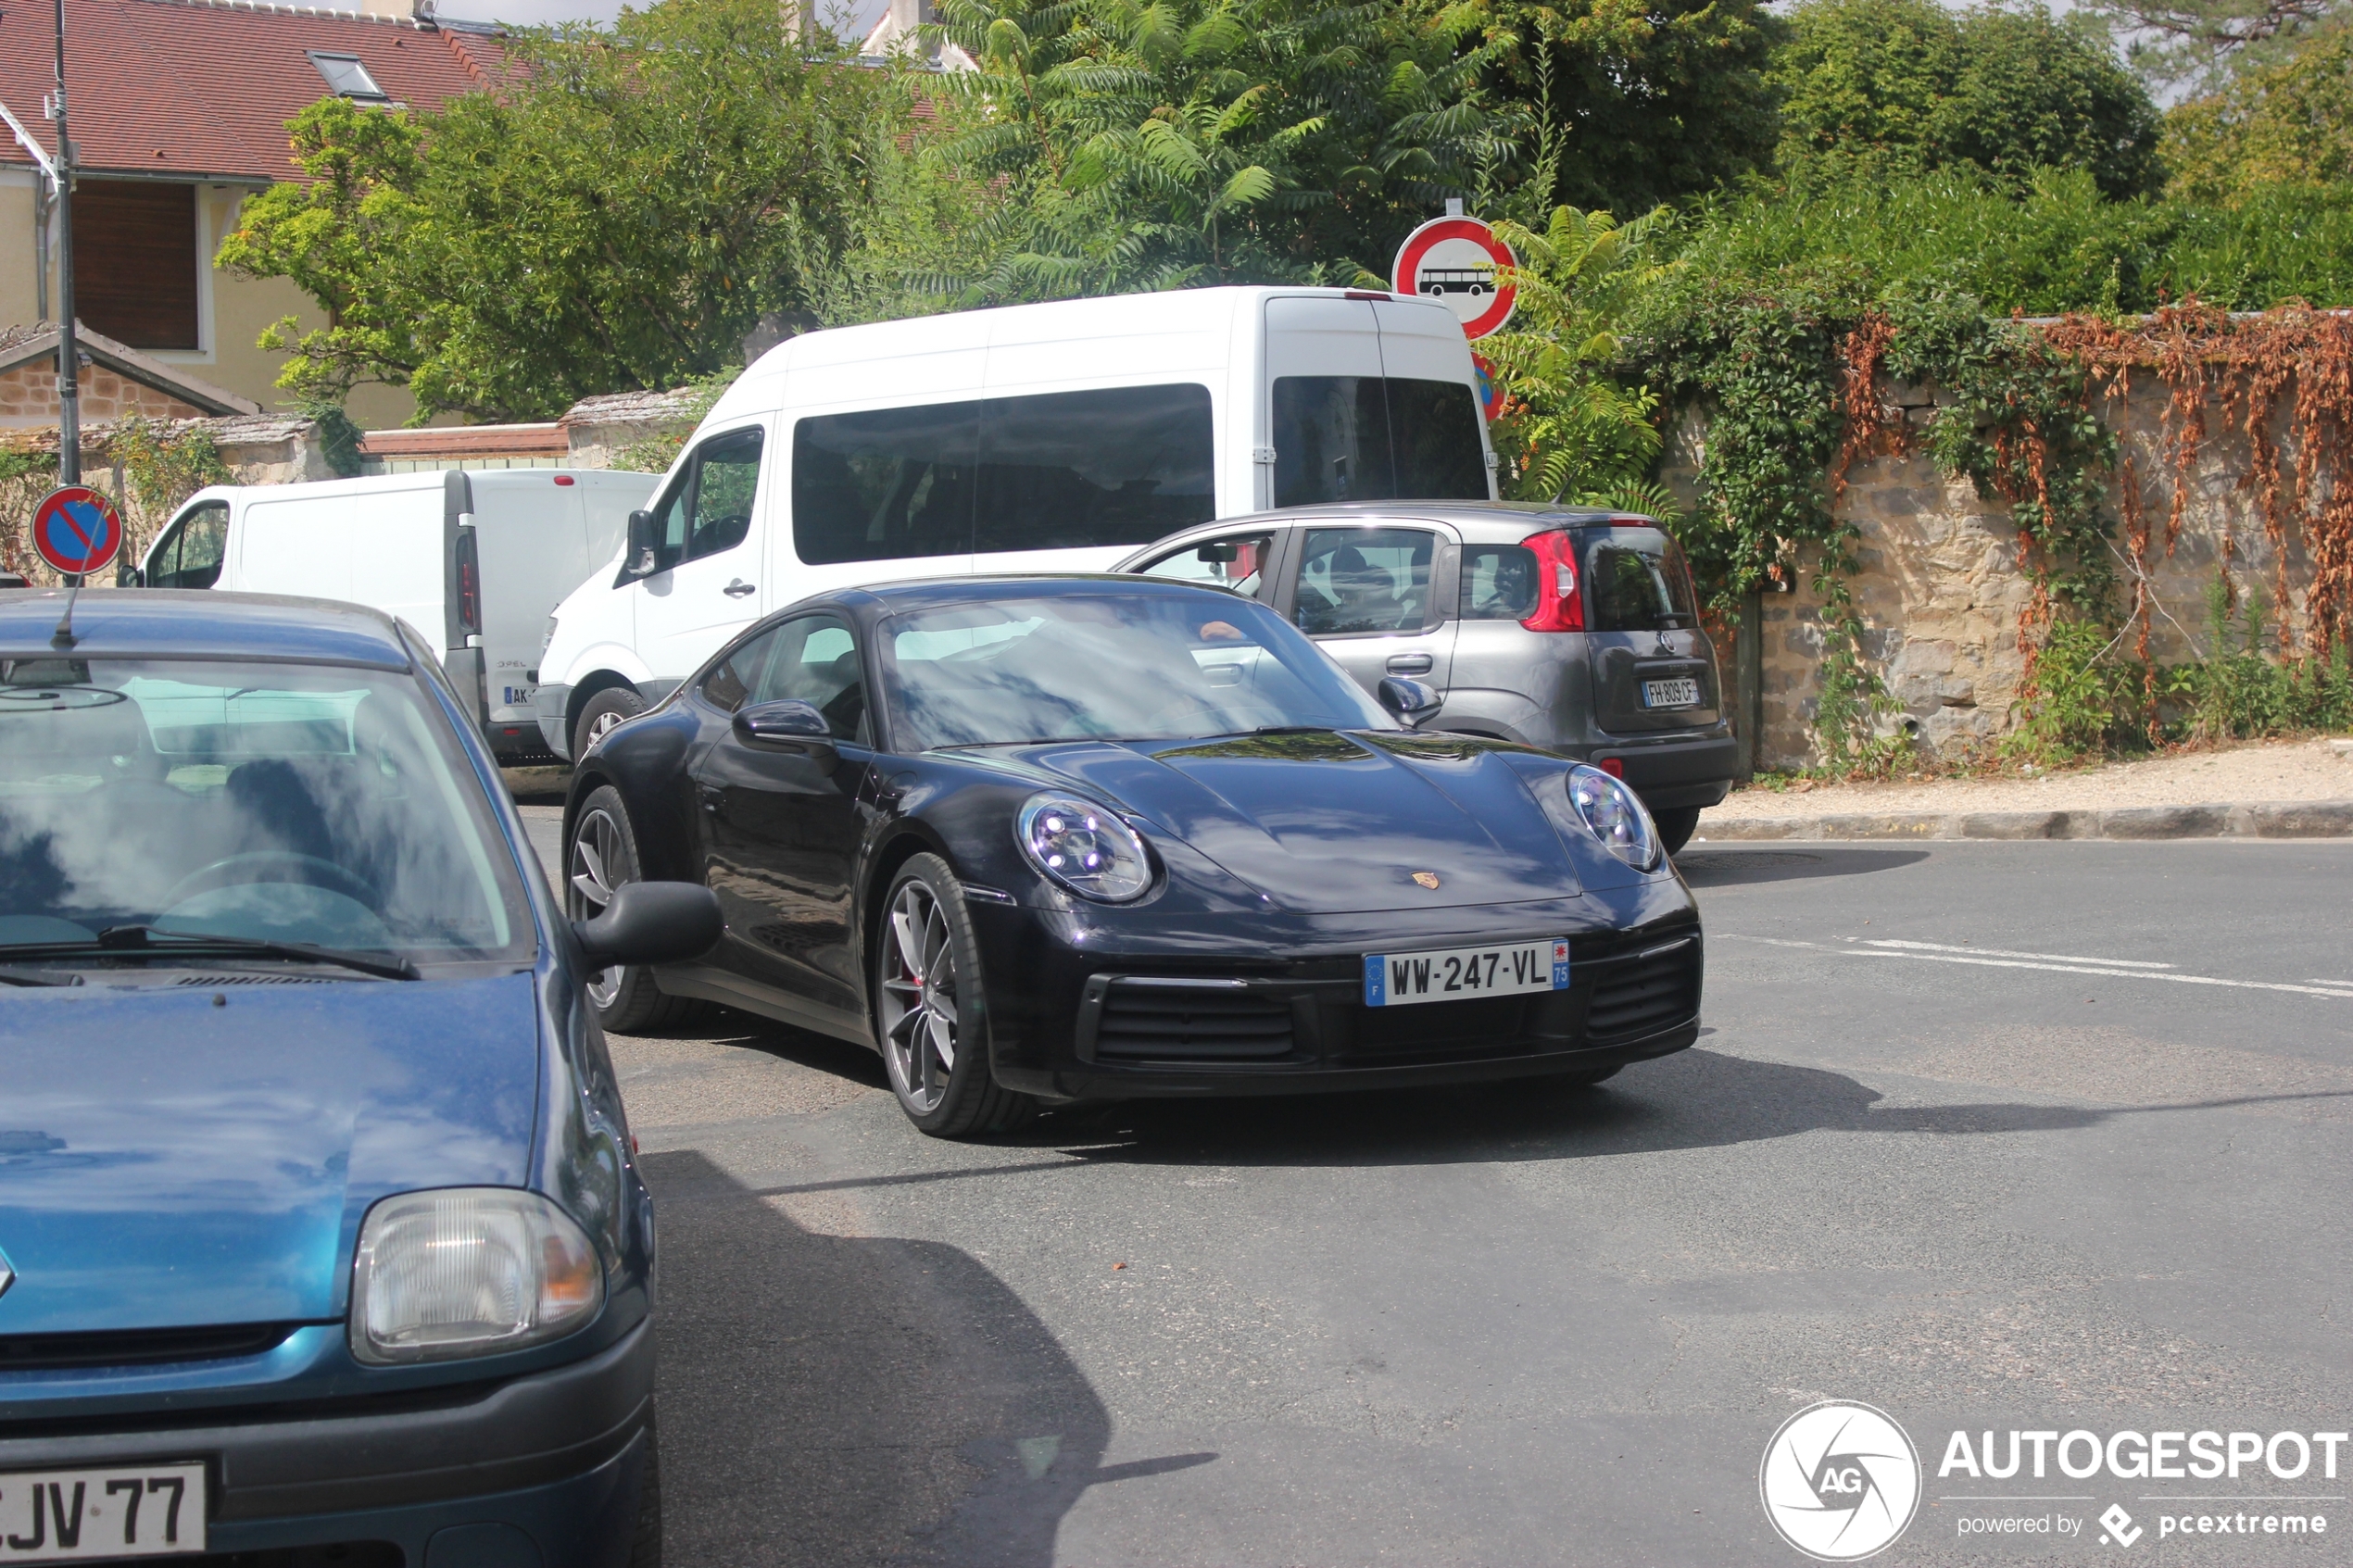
{"points": [[1085, 847], [468, 1272], [1612, 813]]}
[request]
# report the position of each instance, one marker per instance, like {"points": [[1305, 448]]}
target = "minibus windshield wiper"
{"points": [[146, 942]]}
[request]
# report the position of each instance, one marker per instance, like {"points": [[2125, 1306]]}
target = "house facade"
{"points": [[179, 109]]}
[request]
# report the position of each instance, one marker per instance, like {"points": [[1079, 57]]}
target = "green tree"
{"points": [[1183, 141], [1569, 429], [616, 214], [1657, 100], [2285, 124], [1908, 84], [2201, 46]]}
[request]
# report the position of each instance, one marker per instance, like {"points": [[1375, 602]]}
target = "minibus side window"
{"points": [[1059, 471], [1070, 469]]}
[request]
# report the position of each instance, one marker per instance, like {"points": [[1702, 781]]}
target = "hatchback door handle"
{"points": [[738, 588], [1410, 664]]}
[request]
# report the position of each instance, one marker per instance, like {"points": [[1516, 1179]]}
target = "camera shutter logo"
{"points": [[1839, 1481]]}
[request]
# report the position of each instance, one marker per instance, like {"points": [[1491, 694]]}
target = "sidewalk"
{"points": [[2274, 789]]}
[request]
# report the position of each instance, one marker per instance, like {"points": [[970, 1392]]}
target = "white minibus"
{"points": [[1035, 438]]}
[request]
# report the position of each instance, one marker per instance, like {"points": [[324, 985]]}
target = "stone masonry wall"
{"points": [[1942, 593], [28, 396]]}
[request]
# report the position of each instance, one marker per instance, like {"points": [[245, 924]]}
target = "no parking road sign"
{"points": [[1453, 260], [76, 530]]}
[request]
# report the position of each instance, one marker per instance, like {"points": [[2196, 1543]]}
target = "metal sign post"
{"points": [[69, 352]]}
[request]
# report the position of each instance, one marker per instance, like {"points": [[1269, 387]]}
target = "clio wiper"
{"points": [[146, 942]]}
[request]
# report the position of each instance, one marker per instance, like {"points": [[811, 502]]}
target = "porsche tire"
{"points": [[600, 855], [931, 1008]]}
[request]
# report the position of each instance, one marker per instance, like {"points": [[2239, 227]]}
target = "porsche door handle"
{"points": [[1411, 664], [738, 588]]}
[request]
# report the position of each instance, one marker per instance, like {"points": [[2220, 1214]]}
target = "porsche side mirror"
{"points": [[790, 725], [643, 546], [652, 923], [1409, 701]]}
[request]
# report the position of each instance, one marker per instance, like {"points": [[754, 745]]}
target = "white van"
{"points": [[474, 561], [1036, 438]]}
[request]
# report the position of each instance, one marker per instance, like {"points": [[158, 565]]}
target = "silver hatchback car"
{"points": [[1576, 630]]}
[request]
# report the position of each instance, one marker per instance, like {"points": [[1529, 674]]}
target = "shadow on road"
{"points": [[1693, 1100], [831, 1400], [1734, 868]]}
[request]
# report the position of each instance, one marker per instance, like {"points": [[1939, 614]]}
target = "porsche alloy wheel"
{"points": [[597, 850], [919, 998], [600, 858], [930, 1007]]}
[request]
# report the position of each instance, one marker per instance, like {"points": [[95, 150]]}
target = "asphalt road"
{"points": [[2068, 1148]]}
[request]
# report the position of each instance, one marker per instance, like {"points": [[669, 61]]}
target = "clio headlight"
{"points": [[1612, 813], [468, 1272], [1085, 847]]}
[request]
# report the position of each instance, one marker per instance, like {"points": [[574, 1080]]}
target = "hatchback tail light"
{"points": [[1559, 607], [468, 584]]}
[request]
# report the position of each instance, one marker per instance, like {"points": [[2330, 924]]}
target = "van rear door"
{"points": [[1368, 400]]}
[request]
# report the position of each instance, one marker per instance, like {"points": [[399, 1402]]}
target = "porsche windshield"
{"points": [[271, 802], [1124, 666]]}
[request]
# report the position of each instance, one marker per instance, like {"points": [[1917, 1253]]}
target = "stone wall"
{"points": [[257, 449], [1942, 591], [28, 396]]}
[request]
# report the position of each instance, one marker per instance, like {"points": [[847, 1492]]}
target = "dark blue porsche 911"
{"points": [[321, 1237], [1048, 839]]}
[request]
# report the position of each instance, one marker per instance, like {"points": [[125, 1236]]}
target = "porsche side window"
{"points": [[816, 662], [1235, 562], [731, 685], [1365, 580]]}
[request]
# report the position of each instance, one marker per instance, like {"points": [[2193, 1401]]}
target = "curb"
{"points": [[2280, 819]]}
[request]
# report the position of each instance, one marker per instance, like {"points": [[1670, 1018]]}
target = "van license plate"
{"points": [[124, 1510], [1454, 975], [1683, 692]]}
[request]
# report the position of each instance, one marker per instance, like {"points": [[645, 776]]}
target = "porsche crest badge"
{"points": [[1427, 878]]}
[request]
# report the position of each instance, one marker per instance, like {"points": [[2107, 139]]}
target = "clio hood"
{"points": [[164, 1160]]}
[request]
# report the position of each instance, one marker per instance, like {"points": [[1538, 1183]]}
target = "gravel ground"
{"points": [[2300, 770]]}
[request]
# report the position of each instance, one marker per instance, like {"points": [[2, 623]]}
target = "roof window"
{"points": [[347, 76]]}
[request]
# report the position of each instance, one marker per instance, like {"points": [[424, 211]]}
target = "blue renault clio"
{"points": [[321, 1239]]}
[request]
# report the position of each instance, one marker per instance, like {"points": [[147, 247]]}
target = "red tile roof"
{"points": [[205, 87]]}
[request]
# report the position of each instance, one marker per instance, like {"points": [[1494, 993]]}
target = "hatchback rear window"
{"points": [[1633, 589]]}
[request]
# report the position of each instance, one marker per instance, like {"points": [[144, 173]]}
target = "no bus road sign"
{"points": [[1453, 260], [76, 530]]}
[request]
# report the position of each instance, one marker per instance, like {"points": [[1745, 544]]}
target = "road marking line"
{"points": [[2343, 995], [2004, 953]]}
